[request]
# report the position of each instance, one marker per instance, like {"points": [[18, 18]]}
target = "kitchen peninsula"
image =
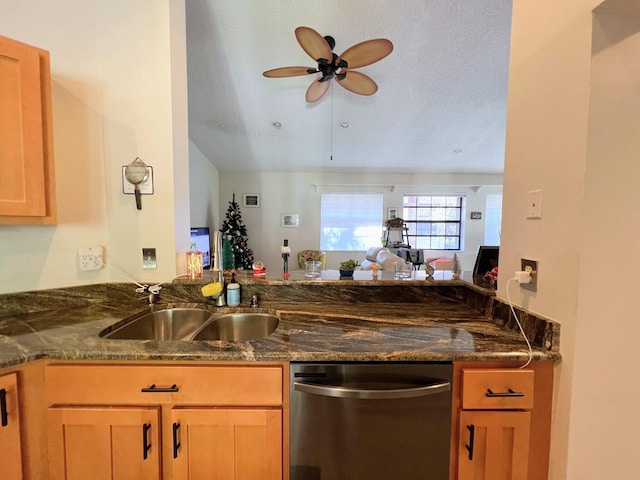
{"points": [[50, 342], [319, 320]]}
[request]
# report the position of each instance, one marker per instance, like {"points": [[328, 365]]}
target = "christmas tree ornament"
{"points": [[259, 269]]}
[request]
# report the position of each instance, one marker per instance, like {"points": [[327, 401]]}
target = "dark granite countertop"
{"points": [[329, 322]]}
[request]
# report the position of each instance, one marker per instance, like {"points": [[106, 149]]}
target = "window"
{"points": [[434, 221], [350, 221], [493, 219]]}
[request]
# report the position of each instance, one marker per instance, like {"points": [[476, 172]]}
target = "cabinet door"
{"points": [[226, 444], [10, 452], [493, 445], [26, 183], [104, 443]]}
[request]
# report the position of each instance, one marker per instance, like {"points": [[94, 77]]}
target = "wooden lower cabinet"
{"points": [[242, 444], [191, 422], [502, 421], [10, 438], [493, 445], [104, 443]]}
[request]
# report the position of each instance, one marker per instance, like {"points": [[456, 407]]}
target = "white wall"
{"points": [[203, 191], [611, 223], [282, 192], [117, 87], [585, 161]]}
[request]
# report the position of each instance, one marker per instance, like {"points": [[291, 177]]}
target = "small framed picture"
{"points": [[291, 220], [250, 200], [392, 213], [476, 215]]}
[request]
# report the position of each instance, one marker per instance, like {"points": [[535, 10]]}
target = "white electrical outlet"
{"points": [[90, 258], [530, 267]]}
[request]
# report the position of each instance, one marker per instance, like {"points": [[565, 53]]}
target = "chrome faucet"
{"points": [[154, 298], [218, 271]]}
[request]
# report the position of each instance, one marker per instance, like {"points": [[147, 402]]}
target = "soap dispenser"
{"points": [[233, 292]]}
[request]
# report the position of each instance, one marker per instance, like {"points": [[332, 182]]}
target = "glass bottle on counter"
{"points": [[233, 292]]}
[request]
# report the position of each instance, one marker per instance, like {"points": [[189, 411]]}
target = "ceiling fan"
{"points": [[331, 65]]}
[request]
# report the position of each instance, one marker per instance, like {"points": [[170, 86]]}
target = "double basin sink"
{"points": [[193, 324]]}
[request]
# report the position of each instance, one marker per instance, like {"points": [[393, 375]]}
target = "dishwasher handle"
{"points": [[373, 394]]}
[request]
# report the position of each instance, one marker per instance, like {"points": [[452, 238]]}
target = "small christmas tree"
{"points": [[228, 261], [234, 227]]}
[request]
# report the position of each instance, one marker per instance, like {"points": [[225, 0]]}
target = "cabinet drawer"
{"points": [[497, 389], [188, 385]]}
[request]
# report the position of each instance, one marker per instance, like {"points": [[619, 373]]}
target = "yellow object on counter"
{"points": [[211, 289]]}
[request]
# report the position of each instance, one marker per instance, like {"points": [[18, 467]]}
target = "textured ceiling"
{"points": [[440, 106]]}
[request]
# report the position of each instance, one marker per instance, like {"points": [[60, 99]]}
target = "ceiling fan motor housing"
{"points": [[329, 70]]}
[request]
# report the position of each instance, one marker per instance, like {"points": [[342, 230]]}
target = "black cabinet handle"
{"points": [[176, 444], [4, 416], [472, 437], [172, 389], [508, 393], [146, 444]]}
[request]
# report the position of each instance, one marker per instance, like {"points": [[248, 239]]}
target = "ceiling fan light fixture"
{"points": [[330, 65]]}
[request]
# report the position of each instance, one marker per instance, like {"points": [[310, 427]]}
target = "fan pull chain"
{"points": [[331, 128]]}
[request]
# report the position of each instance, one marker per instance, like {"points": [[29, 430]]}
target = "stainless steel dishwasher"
{"points": [[370, 421]]}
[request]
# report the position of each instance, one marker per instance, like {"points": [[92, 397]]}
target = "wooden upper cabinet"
{"points": [[27, 183]]}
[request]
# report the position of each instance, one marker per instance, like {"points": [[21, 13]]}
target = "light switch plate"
{"points": [[146, 187], [534, 204], [149, 261]]}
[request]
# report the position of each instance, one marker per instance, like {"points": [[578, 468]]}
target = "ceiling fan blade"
{"points": [[316, 91], [288, 72], [357, 82], [366, 53], [313, 43]]}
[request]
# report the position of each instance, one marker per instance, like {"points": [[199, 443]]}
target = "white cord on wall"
{"points": [[519, 324], [121, 275], [154, 289]]}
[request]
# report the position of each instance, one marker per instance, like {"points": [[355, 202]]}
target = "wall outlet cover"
{"points": [[534, 204], [530, 266], [90, 258]]}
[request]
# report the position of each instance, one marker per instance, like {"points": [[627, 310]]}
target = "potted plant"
{"points": [[347, 267]]}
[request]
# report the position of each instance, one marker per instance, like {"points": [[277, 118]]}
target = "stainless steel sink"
{"points": [[193, 324], [169, 324], [238, 327]]}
